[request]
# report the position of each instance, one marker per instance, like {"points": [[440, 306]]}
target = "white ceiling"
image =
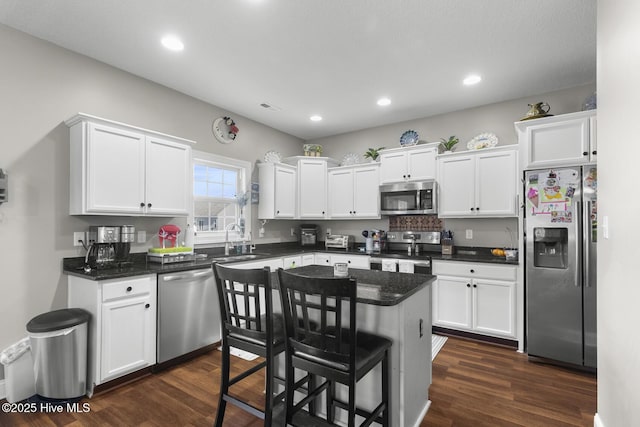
{"points": [[334, 58]]}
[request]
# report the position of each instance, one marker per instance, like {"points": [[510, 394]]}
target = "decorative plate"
{"points": [[408, 138], [350, 159], [224, 129], [272, 157], [484, 140]]}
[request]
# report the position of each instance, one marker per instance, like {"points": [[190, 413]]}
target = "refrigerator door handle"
{"points": [[579, 265], [586, 241]]}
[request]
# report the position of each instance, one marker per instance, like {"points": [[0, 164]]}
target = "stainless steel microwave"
{"points": [[409, 198]]}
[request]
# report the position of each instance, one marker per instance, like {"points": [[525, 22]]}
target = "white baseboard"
{"points": [[423, 413], [3, 391], [597, 422]]}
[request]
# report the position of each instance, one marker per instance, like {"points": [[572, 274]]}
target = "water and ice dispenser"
{"points": [[550, 247]]}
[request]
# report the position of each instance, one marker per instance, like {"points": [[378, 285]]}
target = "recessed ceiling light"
{"points": [[383, 102], [172, 43], [472, 79], [315, 118]]}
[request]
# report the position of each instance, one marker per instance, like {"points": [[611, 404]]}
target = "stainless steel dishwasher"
{"points": [[188, 313]]}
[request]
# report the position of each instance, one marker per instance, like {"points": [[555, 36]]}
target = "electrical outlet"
{"points": [[469, 234], [328, 231], [261, 232], [79, 237], [142, 236], [293, 231]]}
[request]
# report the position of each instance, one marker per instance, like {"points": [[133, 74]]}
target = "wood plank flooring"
{"points": [[474, 384]]}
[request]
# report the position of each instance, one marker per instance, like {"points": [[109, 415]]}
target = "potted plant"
{"points": [[448, 144], [373, 153], [318, 149]]}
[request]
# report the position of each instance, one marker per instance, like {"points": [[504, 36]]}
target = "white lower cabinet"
{"points": [[479, 298], [122, 330], [353, 261]]}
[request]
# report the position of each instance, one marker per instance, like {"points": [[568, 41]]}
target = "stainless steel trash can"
{"points": [[59, 346]]}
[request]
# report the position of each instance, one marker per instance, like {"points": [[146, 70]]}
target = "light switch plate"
{"points": [[142, 236], [468, 234], [605, 226]]}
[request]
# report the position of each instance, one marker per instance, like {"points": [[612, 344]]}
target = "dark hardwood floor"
{"points": [[474, 384]]}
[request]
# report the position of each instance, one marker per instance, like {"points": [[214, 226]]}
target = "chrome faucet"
{"points": [[227, 243]]}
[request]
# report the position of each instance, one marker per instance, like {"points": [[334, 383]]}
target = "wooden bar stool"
{"points": [[248, 323], [335, 350]]}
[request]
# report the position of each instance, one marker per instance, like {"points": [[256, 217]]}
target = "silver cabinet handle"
{"points": [[173, 277]]}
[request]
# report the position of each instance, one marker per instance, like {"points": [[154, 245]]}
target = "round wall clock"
{"points": [[224, 129]]}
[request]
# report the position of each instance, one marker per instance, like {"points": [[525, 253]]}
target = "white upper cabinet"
{"points": [[116, 169], [353, 192], [277, 191], [416, 163], [478, 184], [568, 139], [312, 188]]}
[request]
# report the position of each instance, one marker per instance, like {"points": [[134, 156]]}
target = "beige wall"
{"points": [[42, 85], [618, 154]]}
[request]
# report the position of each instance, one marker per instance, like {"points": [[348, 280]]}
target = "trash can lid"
{"points": [[58, 319]]}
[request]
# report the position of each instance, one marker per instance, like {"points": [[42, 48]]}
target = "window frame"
{"points": [[244, 174]]}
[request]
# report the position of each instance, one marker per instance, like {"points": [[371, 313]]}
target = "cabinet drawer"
{"points": [[127, 288], [474, 270]]}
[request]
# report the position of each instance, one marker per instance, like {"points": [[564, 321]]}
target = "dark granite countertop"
{"points": [[140, 266], [374, 286]]}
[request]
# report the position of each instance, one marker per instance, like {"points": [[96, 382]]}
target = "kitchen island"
{"points": [[397, 306]]}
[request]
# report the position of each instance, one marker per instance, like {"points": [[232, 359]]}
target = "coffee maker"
{"points": [[109, 246]]}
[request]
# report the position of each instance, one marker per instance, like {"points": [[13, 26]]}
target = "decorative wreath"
{"points": [[225, 129]]}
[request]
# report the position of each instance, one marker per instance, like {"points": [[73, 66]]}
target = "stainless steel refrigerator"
{"points": [[560, 263]]}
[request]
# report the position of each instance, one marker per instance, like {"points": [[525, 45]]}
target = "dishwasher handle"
{"points": [[186, 275]]}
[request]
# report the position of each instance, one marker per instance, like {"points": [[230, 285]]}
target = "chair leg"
{"points": [[289, 390], [330, 395], [352, 403], [385, 389], [224, 385], [312, 386], [268, 396]]}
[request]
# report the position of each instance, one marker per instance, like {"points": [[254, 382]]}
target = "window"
{"points": [[220, 195]]}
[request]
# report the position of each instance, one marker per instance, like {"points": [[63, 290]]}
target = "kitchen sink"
{"points": [[236, 258]]}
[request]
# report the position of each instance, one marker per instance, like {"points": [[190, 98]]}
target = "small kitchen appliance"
{"points": [[308, 234], [409, 198], [339, 241], [102, 252]]}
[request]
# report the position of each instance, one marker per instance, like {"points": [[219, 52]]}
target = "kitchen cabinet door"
{"points": [[456, 186], [277, 191], [567, 139], [494, 305], [452, 302], [366, 191], [393, 167], [312, 189], [115, 172], [496, 184], [421, 164], [341, 193], [353, 261], [322, 259], [168, 178], [128, 336]]}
